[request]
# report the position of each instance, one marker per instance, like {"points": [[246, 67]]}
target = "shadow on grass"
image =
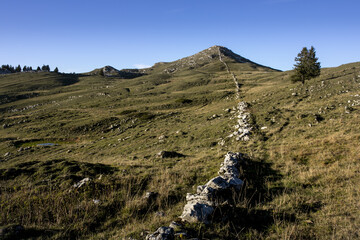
{"points": [[243, 217]]}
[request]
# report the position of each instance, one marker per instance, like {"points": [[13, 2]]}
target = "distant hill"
{"points": [[110, 71]]}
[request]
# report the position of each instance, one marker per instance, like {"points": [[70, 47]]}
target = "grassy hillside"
{"points": [[301, 175]]}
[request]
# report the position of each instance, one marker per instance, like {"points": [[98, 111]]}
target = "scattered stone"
{"points": [[162, 137], [180, 132], [169, 154], [263, 128], [81, 183], [7, 154], [20, 149], [163, 233], [294, 94], [150, 196], [96, 201], [213, 117]]}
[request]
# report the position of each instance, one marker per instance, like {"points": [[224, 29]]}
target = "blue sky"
{"points": [[78, 36]]}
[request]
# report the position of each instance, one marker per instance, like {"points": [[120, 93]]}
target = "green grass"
{"points": [[301, 174]]}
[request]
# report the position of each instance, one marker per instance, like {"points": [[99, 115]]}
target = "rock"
{"points": [[176, 226], [243, 127], [162, 137], [96, 201], [197, 212], [163, 233], [215, 192], [7, 154], [150, 196], [81, 183], [169, 154]]}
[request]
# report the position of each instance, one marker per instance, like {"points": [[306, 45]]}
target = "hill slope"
{"points": [[301, 173]]}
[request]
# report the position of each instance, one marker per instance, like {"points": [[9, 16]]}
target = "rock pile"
{"points": [[243, 127], [200, 206], [163, 233], [214, 193]]}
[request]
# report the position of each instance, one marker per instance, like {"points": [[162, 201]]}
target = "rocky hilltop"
{"points": [[208, 56], [110, 71]]}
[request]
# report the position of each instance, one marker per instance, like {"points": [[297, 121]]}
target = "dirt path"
{"points": [[237, 85]]}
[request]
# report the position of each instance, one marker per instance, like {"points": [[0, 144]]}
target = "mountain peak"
{"points": [[212, 54]]}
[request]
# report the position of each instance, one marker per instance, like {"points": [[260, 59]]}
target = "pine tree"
{"points": [[307, 65], [24, 68], [38, 69], [56, 70], [18, 68]]}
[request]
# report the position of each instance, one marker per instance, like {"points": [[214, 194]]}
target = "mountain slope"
{"points": [[301, 172], [210, 56]]}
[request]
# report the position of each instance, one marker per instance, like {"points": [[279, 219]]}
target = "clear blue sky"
{"points": [[78, 36]]}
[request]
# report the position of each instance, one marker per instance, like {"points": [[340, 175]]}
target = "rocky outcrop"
{"points": [[215, 192], [110, 71], [205, 57]]}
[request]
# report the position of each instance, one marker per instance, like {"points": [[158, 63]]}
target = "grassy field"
{"points": [[302, 172]]}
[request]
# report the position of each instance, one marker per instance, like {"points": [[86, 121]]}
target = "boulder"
{"points": [[197, 212], [81, 183]]}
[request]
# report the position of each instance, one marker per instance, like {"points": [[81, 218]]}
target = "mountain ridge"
{"points": [[197, 60]]}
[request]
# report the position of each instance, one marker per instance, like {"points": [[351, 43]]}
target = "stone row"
{"points": [[243, 127]]}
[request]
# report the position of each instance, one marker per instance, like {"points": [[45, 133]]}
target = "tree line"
{"points": [[11, 69]]}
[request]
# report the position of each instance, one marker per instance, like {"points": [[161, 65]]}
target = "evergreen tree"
{"points": [[307, 65], [38, 69], [18, 68], [25, 69], [56, 70]]}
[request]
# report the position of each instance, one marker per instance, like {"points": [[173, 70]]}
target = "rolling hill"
{"points": [[301, 173]]}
